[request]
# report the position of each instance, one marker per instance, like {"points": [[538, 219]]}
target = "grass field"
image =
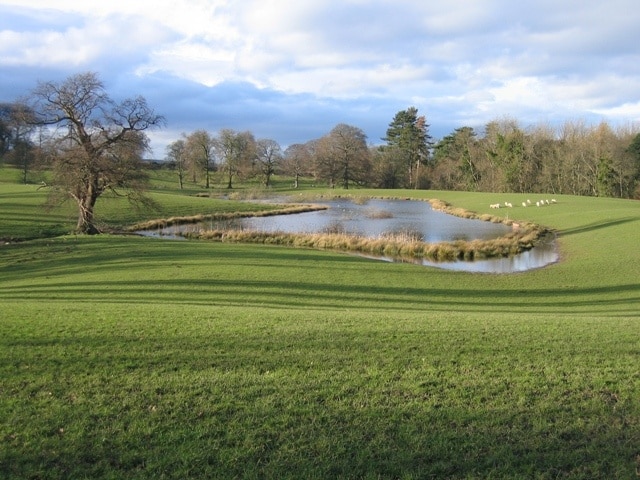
{"points": [[128, 357]]}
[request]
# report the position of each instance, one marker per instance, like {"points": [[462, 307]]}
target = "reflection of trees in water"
{"points": [[335, 227], [405, 235], [222, 225], [378, 214], [349, 214]]}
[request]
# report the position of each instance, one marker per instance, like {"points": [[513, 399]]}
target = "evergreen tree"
{"points": [[408, 137]]}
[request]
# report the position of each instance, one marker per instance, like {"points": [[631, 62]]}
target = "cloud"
{"points": [[292, 70], [75, 42], [267, 113], [630, 110]]}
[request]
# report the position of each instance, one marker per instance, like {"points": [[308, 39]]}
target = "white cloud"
{"points": [[627, 111], [79, 45], [195, 61], [71, 47], [324, 61]]}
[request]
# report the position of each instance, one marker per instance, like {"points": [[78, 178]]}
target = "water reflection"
{"points": [[383, 217], [544, 254], [376, 218]]}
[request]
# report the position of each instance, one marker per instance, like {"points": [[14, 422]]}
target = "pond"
{"points": [[383, 217]]}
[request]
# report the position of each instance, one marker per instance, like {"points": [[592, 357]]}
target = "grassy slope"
{"points": [[123, 356], [23, 214]]}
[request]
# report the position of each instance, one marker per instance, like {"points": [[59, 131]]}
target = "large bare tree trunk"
{"points": [[86, 205]]}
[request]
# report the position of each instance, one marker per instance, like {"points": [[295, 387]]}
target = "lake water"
{"points": [[383, 217]]}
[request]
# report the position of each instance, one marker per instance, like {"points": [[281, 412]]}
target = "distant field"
{"points": [[127, 357]]}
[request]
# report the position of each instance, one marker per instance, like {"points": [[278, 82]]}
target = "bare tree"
{"points": [[269, 157], [199, 150], [236, 151], [297, 162], [6, 131], [177, 155], [16, 145], [348, 149], [326, 164], [387, 167], [99, 143]]}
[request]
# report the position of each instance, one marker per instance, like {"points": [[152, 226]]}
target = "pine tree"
{"points": [[408, 137]]}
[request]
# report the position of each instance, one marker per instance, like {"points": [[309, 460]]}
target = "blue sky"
{"points": [[291, 70]]}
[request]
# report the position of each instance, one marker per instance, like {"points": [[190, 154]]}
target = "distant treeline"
{"points": [[576, 158]]}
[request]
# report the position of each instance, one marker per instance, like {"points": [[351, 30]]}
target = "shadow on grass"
{"points": [[597, 226], [178, 272], [306, 295]]}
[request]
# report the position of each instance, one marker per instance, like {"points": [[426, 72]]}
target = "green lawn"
{"points": [[127, 357]]}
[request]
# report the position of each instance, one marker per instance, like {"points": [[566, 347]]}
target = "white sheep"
{"points": [[508, 204], [553, 200], [537, 204], [524, 204]]}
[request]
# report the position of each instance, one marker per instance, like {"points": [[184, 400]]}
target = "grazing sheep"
{"points": [[508, 204], [528, 201], [547, 201], [494, 205], [553, 200], [537, 204], [524, 204]]}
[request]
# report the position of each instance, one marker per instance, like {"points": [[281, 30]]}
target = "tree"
{"points": [[633, 150], [16, 128], [606, 177], [455, 161], [509, 156], [99, 142], [625, 164], [408, 136], [199, 152], [269, 157], [6, 128], [235, 150], [177, 155], [348, 149], [23, 156], [386, 168], [544, 162], [326, 164], [296, 162], [573, 138]]}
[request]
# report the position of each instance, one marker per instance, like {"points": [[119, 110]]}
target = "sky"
{"points": [[291, 70]]}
